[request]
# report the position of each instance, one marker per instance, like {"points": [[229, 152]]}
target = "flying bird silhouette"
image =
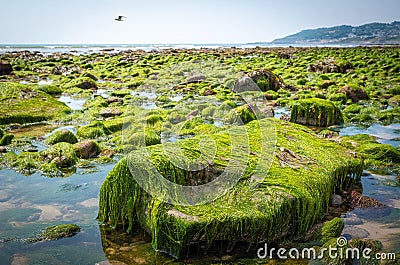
{"points": [[120, 18]]}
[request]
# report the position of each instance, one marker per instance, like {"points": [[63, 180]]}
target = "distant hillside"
{"points": [[373, 33]]}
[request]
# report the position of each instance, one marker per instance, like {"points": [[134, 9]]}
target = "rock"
{"points": [[93, 130], [6, 139], [87, 85], [355, 232], [56, 232], [355, 94], [360, 201], [336, 200], [61, 136], [398, 177], [332, 229], [3, 149], [196, 79], [329, 65], [5, 68], [226, 258], [61, 154], [315, 112], [87, 149], [19, 259], [352, 219], [110, 112], [266, 80]]}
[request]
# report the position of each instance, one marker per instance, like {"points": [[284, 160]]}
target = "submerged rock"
{"points": [[315, 112], [287, 201], [61, 136], [332, 229], [57, 232]]}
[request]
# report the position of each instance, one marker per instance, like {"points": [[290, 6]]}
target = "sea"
{"points": [[94, 48]]}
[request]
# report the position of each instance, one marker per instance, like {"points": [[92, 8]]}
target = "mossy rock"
{"points": [[50, 89], [6, 139], [23, 104], [380, 152], [291, 197], [114, 125], [332, 229], [94, 130], [61, 136], [57, 232], [315, 112], [87, 149], [61, 154], [241, 115], [82, 83]]}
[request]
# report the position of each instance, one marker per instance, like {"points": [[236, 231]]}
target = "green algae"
{"points": [[332, 229], [315, 112], [6, 139], [293, 194], [24, 104], [94, 130], [56, 232], [61, 154], [61, 136]]}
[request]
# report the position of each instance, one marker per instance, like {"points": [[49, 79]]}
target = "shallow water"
{"points": [[389, 134], [31, 203], [72, 103]]}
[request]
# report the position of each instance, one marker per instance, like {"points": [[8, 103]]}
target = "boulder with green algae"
{"points": [[61, 154], [291, 196], [6, 139], [332, 229], [25, 104], [56, 232], [61, 136], [94, 130], [315, 112]]}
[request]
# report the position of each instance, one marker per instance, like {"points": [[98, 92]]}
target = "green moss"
{"points": [[62, 154], [60, 231], [241, 115], [380, 152], [61, 136], [114, 125], [94, 130], [6, 139], [24, 104], [315, 112], [332, 229], [50, 89], [292, 196], [120, 93]]}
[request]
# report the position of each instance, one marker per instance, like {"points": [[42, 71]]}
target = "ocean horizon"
{"points": [[93, 48]]}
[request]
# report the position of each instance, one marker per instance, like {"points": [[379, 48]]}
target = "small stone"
{"points": [[3, 149], [355, 232], [226, 258], [336, 200], [110, 251]]}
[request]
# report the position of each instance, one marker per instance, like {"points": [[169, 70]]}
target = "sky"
{"points": [[179, 21]]}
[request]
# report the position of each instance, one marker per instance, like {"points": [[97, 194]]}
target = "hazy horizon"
{"points": [[180, 22]]}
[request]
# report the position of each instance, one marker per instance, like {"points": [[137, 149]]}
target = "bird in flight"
{"points": [[120, 18]]}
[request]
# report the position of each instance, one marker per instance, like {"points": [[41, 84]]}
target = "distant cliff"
{"points": [[373, 33]]}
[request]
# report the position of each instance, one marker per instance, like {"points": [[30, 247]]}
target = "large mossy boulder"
{"points": [[332, 229], [290, 197], [61, 136], [315, 112], [25, 104]]}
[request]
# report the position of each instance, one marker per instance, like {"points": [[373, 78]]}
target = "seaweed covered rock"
{"points": [[330, 65], [57, 232], [24, 104], [5, 68], [61, 154], [380, 152], [287, 201], [332, 229], [94, 130], [6, 139], [262, 79], [354, 93], [315, 112], [87, 149], [61, 136]]}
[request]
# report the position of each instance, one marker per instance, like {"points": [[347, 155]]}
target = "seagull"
{"points": [[120, 18]]}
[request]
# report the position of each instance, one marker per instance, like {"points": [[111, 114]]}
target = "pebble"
{"points": [[336, 200]]}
